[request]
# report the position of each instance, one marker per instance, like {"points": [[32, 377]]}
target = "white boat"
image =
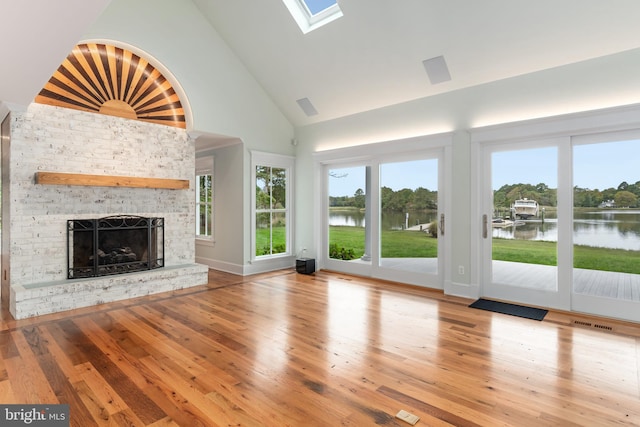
{"points": [[525, 208]]}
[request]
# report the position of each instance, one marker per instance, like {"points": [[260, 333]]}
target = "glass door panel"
{"points": [[606, 224], [409, 224], [346, 216], [523, 229]]}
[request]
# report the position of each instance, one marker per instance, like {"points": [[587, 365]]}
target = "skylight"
{"points": [[312, 14], [317, 6]]}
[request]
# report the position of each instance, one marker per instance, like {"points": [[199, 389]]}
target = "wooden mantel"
{"points": [[56, 178]]}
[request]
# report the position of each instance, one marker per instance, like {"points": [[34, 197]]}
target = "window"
{"points": [[271, 204], [204, 198], [312, 14]]}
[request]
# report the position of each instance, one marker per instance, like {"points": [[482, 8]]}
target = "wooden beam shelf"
{"points": [[56, 178]]}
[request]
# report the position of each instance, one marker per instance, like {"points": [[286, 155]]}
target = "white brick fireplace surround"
{"points": [[52, 139]]}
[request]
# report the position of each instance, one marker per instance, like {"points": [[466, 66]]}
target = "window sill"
{"points": [[267, 258]]}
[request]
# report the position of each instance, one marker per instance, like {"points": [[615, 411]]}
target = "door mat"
{"points": [[511, 309]]}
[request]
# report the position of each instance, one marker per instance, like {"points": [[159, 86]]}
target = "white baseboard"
{"points": [[227, 267], [262, 266], [463, 290]]}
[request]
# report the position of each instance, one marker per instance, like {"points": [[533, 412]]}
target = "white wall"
{"points": [[600, 83], [225, 252], [38, 36]]}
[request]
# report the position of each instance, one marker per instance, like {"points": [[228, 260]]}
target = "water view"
{"points": [[389, 220], [617, 229]]}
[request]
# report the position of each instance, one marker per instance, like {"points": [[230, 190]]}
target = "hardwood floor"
{"points": [[283, 349]]}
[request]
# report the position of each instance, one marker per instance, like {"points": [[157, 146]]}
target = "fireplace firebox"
{"points": [[114, 245]]}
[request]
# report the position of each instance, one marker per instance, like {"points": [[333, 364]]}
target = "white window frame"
{"points": [[274, 161], [204, 167]]}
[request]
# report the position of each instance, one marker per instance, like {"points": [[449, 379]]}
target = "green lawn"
{"points": [[606, 259], [588, 257], [395, 243], [418, 244], [279, 241], [528, 251], [409, 244]]}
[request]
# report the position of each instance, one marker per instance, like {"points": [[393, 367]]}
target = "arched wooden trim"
{"points": [[111, 80]]}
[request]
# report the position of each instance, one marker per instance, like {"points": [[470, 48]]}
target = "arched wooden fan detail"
{"points": [[109, 80]]}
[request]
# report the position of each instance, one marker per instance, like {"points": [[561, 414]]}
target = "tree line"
{"points": [[625, 195], [390, 200]]}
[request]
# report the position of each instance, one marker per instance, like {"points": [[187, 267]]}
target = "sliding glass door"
{"points": [[561, 223], [520, 224], [385, 217]]}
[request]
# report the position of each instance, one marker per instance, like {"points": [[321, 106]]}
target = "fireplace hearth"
{"points": [[114, 245]]}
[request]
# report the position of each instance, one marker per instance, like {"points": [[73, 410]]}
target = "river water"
{"points": [[618, 229], [389, 220]]}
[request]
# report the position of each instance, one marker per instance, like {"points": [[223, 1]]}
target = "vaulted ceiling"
{"points": [[370, 58], [35, 37]]}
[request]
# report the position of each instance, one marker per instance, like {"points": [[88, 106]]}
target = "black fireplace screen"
{"points": [[114, 245]]}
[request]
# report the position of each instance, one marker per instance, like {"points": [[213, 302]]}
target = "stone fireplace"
{"points": [[36, 276]]}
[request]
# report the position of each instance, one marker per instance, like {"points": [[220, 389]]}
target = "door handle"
{"points": [[485, 226], [442, 224]]}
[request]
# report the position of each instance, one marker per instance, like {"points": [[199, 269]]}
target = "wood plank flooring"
{"points": [[283, 349]]}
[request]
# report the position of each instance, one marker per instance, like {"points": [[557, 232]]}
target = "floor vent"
{"points": [[581, 323], [593, 325]]}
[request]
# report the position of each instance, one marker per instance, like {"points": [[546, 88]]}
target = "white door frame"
{"points": [[560, 298]]}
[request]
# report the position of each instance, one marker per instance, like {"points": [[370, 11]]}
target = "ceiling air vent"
{"points": [[437, 70], [307, 107]]}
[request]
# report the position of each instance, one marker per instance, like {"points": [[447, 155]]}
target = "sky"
{"points": [[596, 166], [525, 166], [413, 174], [345, 181], [316, 6]]}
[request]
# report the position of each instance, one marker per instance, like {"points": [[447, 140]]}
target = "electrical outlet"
{"points": [[461, 270]]}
